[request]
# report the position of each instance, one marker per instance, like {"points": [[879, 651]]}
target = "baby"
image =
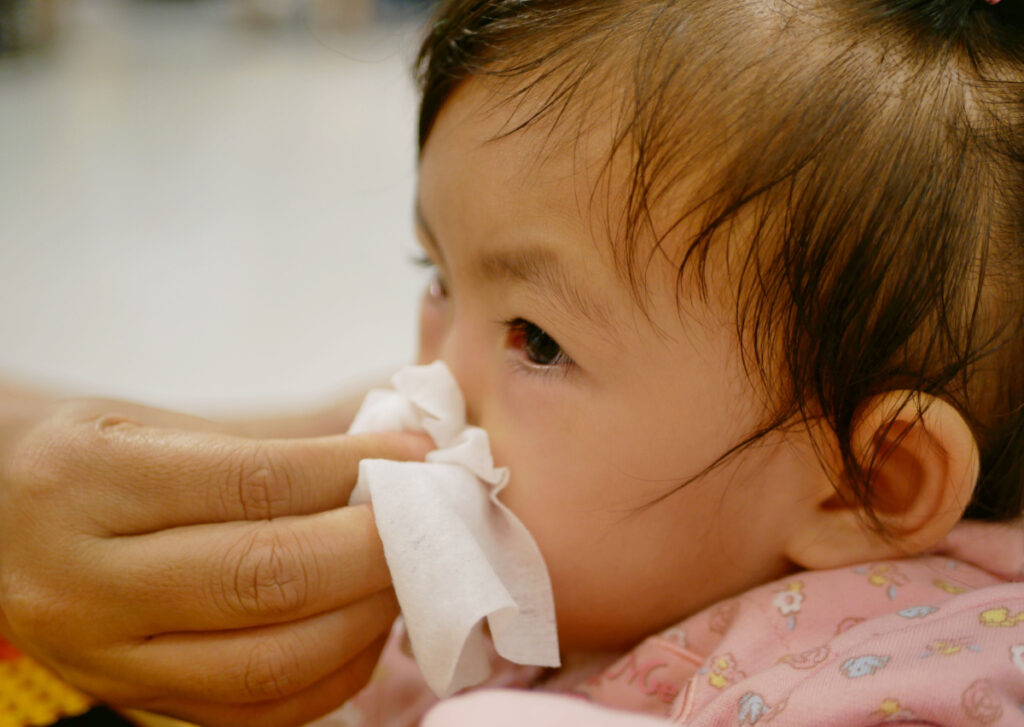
{"points": [[736, 289]]}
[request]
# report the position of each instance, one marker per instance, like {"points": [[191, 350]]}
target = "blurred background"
{"points": [[205, 204]]}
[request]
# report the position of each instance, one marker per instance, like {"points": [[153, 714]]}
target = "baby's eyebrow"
{"points": [[541, 268], [534, 265]]}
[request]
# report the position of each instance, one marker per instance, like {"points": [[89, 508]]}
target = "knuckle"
{"points": [[270, 670], [65, 447], [267, 579], [263, 481], [94, 420]]}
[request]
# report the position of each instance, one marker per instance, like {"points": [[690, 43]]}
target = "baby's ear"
{"points": [[924, 464]]}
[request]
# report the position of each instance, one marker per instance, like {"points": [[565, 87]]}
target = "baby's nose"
{"points": [[468, 367], [467, 386]]}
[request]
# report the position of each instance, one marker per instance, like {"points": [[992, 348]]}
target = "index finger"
{"points": [[168, 478]]}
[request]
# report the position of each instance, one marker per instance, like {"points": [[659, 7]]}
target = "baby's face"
{"points": [[599, 408]]}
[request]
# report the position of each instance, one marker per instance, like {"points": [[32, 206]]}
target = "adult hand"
{"points": [[156, 561]]}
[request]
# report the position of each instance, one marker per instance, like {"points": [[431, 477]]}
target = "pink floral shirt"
{"points": [[931, 640]]}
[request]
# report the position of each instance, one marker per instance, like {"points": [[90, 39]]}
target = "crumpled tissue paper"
{"points": [[458, 557]]}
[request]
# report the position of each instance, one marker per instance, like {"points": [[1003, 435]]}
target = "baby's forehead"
{"points": [[640, 220], [537, 203]]}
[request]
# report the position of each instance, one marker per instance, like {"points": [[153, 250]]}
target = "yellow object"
{"points": [[889, 707], [995, 617], [31, 695]]}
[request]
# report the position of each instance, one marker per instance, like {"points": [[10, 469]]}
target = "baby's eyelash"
{"points": [[420, 260]]}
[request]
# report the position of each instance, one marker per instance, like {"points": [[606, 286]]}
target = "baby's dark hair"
{"points": [[863, 160]]}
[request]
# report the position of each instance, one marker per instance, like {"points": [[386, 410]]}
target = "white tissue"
{"points": [[456, 554]]}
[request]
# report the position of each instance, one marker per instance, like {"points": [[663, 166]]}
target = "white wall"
{"points": [[203, 216]]}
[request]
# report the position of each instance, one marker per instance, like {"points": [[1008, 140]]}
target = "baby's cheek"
{"points": [[547, 493], [555, 487], [536, 485]]}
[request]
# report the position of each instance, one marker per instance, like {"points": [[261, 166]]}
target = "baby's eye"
{"points": [[538, 347]]}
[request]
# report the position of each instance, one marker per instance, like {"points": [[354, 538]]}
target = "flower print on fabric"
{"points": [[722, 671], [789, 601], [753, 709], [890, 710], [997, 617], [981, 703], [807, 659], [884, 575], [863, 666], [917, 611], [950, 588], [948, 647]]}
